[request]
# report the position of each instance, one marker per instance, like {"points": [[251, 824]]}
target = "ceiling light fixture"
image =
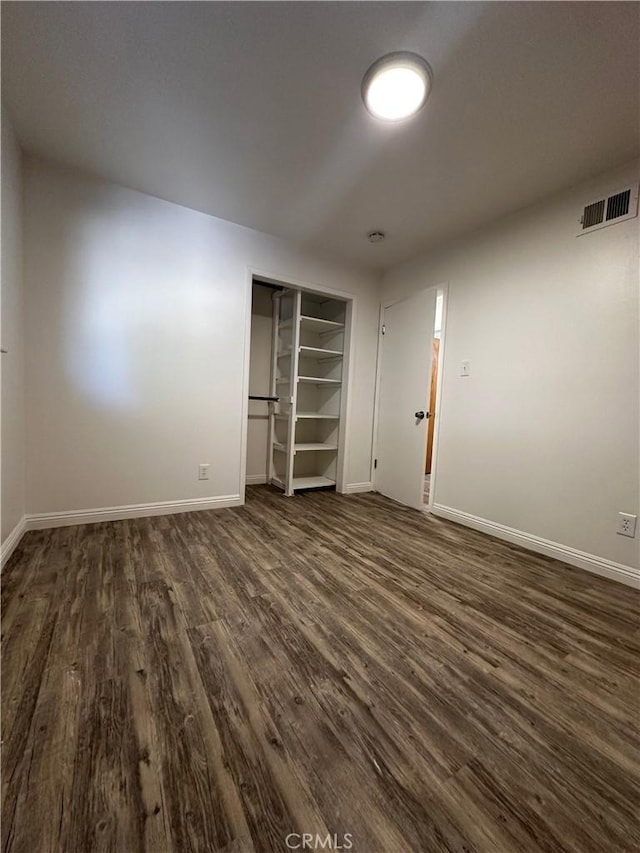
{"points": [[396, 86]]}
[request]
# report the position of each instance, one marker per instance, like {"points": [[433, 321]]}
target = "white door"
{"points": [[404, 397]]}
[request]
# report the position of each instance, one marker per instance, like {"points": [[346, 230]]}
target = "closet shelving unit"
{"points": [[307, 375]]}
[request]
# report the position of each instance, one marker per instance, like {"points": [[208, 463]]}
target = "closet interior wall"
{"points": [[258, 453]]}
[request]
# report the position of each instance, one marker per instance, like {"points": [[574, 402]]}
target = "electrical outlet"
{"points": [[203, 471], [627, 524]]}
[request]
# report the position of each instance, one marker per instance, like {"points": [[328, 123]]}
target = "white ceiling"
{"points": [[252, 111]]}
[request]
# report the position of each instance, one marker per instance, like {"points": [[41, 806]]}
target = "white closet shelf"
{"points": [[302, 446], [318, 380], [320, 352], [309, 416], [305, 483], [312, 482], [317, 324], [307, 344]]}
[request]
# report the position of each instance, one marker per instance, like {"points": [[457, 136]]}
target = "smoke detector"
{"points": [[376, 236]]}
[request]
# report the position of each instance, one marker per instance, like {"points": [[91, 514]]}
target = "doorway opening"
{"points": [[433, 401]]}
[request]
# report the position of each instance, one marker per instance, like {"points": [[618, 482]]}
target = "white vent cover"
{"points": [[617, 207]]}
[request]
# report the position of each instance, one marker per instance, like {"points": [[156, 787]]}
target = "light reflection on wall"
{"points": [[140, 306], [98, 357]]}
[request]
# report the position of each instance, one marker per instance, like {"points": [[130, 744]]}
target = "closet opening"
{"points": [[298, 365]]}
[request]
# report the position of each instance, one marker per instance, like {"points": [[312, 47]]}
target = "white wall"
{"points": [[543, 435], [259, 383], [12, 337], [136, 322]]}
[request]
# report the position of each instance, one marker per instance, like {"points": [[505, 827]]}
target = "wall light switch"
{"points": [[203, 471], [465, 368]]}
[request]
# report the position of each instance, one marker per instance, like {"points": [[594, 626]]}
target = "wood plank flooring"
{"points": [[324, 664]]}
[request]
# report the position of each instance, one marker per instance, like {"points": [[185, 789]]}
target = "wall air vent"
{"points": [[615, 208], [593, 214], [618, 205]]}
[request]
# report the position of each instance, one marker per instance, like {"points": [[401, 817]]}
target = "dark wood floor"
{"points": [[322, 664]]}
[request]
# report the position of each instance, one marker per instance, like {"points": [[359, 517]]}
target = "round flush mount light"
{"points": [[396, 86], [376, 236]]}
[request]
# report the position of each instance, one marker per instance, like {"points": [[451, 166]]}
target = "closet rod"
{"points": [[268, 399]]}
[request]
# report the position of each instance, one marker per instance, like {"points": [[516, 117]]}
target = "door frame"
{"points": [[439, 288], [344, 435]]}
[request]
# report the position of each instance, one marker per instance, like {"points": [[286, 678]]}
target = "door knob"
{"points": [[420, 415]]}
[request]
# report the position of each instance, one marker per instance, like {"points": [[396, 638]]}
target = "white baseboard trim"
{"points": [[355, 488], [255, 479], [598, 565], [44, 520], [12, 541]]}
